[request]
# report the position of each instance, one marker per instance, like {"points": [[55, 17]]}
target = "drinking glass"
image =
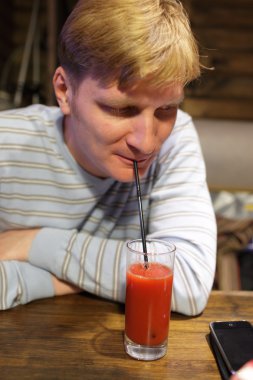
{"points": [[149, 279]]}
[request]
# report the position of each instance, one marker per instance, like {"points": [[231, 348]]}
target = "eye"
{"points": [[129, 111], [166, 112]]}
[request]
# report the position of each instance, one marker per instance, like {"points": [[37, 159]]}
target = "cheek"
{"points": [[111, 132], [165, 129], [97, 127]]}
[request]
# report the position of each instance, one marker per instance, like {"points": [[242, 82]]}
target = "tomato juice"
{"points": [[148, 300]]}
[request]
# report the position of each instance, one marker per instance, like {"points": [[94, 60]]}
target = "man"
{"points": [[67, 198]]}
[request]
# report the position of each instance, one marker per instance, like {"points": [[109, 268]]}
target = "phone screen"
{"points": [[235, 341]]}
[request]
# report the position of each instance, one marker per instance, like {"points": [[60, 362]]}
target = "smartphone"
{"points": [[234, 340]]}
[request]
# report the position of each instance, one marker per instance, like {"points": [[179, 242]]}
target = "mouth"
{"points": [[126, 160], [141, 162]]}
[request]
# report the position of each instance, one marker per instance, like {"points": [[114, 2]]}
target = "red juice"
{"points": [[148, 299]]}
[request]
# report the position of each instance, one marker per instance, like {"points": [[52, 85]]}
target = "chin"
{"points": [[127, 175], [124, 178], [123, 175]]}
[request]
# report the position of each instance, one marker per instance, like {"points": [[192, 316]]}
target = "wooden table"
{"points": [[81, 337]]}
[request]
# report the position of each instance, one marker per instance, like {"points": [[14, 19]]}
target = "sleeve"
{"points": [[21, 283], [181, 211], [94, 264]]}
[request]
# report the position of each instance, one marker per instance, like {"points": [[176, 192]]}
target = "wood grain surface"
{"points": [[81, 337]]}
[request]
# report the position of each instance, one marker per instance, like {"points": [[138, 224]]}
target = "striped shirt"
{"points": [[85, 221]]}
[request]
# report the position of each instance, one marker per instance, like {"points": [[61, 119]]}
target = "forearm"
{"points": [[193, 279], [60, 252], [20, 283], [193, 230], [181, 211], [91, 263]]}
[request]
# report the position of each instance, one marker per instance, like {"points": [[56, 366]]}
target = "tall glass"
{"points": [[148, 298]]}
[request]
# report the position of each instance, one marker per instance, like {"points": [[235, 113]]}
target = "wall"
{"points": [[224, 29]]}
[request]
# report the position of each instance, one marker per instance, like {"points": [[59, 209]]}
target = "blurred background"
{"points": [[221, 103], [28, 56], [224, 29]]}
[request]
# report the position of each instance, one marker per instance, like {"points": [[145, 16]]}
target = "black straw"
{"points": [[143, 237]]}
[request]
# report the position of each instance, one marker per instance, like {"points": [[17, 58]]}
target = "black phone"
{"points": [[234, 340]]}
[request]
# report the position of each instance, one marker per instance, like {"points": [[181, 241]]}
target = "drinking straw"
{"points": [[138, 188]]}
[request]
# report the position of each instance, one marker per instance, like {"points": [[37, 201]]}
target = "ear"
{"points": [[62, 89]]}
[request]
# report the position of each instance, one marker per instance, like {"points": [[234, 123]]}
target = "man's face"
{"points": [[106, 129]]}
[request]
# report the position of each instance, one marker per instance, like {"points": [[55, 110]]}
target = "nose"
{"points": [[142, 137]]}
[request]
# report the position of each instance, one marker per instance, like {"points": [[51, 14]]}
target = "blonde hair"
{"points": [[129, 40]]}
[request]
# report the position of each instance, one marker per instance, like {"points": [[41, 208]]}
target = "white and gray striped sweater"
{"points": [[85, 221]]}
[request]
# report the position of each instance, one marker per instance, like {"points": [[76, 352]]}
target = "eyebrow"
{"points": [[124, 103], [115, 103]]}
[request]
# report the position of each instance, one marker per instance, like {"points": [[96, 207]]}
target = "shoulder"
{"points": [[183, 118], [183, 123], [25, 125], [183, 133], [30, 114]]}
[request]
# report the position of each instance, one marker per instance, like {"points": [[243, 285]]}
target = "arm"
{"points": [[20, 282], [181, 210], [59, 252], [89, 262]]}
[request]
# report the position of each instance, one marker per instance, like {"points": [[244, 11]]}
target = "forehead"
{"points": [[142, 89], [140, 92]]}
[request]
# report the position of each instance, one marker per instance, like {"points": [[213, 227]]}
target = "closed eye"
{"points": [[164, 113], [129, 111]]}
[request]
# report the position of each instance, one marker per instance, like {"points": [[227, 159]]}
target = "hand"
{"points": [[16, 244]]}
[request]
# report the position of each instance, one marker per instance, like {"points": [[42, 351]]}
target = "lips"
{"points": [[126, 160], [142, 162]]}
